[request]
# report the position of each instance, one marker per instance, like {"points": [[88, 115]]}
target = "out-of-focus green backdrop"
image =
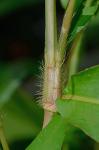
{"points": [[21, 56]]}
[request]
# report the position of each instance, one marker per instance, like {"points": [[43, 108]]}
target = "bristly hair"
{"points": [[39, 84]]}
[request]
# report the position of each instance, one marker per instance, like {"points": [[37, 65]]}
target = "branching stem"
{"points": [[73, 58], [66, 27]]}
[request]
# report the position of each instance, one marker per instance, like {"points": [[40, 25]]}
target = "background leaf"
{"points": [[81, 102], [11, 77], [16, 106], [22, 117]]}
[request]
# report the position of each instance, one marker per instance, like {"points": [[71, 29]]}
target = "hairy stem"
{"points": [[51, 71]]}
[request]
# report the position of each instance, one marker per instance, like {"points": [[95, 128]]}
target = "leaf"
{"points": [[80, 102], [22, 117], [50, 137], [81, 19], [11, 77], [64, 3]]}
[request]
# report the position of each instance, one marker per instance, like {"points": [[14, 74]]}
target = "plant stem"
{"points": [[66, 27], [73, 60], [3, 139], [50, 31], [51, 71]]}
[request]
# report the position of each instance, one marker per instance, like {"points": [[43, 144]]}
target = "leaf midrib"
{"points": [[80, 99]]}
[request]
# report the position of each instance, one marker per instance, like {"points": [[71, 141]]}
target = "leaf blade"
{"points": [[81, 19], [80, 103], [52, 135]]}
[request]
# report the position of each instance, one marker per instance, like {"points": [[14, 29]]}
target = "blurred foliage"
{"points": [[22, 117], [92, 32], [7, 6], [11, 77]]}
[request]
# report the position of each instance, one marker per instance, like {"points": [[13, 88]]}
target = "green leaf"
{"points": [[11, 77], [64, 3], [80, 102], [22, 117], [81, 19], [50, 137]]}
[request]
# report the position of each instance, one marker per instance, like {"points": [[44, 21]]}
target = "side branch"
{"points": [[66, 27]]}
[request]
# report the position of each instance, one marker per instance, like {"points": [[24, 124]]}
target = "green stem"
{"points": [[50, 49], [66, 27], [3, 139], [73, 60], [71, 65], [50, 31]]}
